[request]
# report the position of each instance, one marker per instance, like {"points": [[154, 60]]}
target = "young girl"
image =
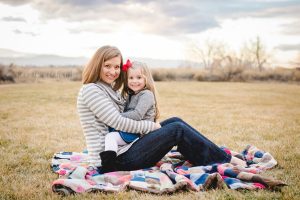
{"points": [[141, 104]]}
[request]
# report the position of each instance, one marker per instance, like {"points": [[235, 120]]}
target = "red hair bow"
{"points": [[126, 66]]}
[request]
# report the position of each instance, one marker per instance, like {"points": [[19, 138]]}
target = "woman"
{"points": [[99, 105]]}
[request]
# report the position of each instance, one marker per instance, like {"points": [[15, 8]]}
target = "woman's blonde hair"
{"points": [[149, 83], [91, 72]]}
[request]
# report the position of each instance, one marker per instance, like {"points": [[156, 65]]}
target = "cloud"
{"points": [[17, 31], [289, 47], [157, 17], [286, 12], [13, 19], [15, 2], [291, 11], [291, 28], [149, 16]]}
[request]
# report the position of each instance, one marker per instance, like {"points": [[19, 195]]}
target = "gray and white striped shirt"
{"points": [[99, 106]]}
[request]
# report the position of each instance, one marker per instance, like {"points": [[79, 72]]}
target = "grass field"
{"points": [[37, 120]]}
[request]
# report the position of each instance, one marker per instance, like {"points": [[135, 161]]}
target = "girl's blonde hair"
{"points": [[149, 83], [91, 72]]}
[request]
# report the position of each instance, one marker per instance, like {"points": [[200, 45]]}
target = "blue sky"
{"points": [[152, 29]]}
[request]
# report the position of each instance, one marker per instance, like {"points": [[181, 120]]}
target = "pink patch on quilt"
{"points": [[249, 157], [181, 171], [92, 172], [75, 158], [253, 171], [227, 151], [91, 182], [125, 178], [80, 189], [62, 172], [259, 185], [221, 169], [65, 165], [59, 181]]}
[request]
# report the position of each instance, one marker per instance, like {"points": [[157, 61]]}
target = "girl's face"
{"points": [[136, 80], [111, 70]]}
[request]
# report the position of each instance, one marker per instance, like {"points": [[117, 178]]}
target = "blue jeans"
{"points": [[149, 149]]}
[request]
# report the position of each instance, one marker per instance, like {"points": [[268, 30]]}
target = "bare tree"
{"points": [[296, 61], [255, 53], [260, 53], [208, 53]]}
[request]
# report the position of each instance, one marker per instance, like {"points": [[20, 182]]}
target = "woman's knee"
{"points": [[171, 120], [176, 119]]}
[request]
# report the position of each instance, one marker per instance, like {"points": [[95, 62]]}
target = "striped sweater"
{"points": [[99, 106]]}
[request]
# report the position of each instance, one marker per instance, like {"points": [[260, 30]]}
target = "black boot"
{"points": [[108, 161]]}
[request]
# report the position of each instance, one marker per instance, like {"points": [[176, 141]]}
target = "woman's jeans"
{"points": [[151, 148]]}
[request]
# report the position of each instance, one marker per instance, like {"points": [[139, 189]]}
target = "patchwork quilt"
{"points": [[171, 174]]}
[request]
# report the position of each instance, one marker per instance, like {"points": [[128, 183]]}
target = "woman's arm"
{"points": [[103, 108], [145, 102]]}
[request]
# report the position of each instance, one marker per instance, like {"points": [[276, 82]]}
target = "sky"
{"points": [[151, 29]]}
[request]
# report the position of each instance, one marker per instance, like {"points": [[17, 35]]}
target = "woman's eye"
{"points": [[107, 66]]}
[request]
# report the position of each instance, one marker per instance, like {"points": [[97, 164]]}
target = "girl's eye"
{"points": [[117, 67], [139, 77], [107, 66]]}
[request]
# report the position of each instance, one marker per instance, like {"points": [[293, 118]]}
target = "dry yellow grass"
{"points": [[37, 120]]}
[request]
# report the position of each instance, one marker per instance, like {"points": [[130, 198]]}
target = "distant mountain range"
{"points": [[25, 59], [8, 56]]}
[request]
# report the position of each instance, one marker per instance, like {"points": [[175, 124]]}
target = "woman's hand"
{"points": [[157, 126]]}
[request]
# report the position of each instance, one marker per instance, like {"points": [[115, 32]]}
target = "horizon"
{"points": [[46, 60], [151, 29]]}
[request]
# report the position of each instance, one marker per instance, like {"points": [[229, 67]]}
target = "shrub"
{"points": [[7, 74], [12, 73], [296, 75]]}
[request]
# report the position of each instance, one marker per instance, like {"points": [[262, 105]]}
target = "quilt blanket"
{"points": [[171, 174]]}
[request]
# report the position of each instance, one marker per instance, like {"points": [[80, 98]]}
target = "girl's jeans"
{"points": [[149, 149]]}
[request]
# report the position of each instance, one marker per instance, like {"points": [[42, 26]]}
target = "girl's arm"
{"points": [[103, 108], [145, 102]]}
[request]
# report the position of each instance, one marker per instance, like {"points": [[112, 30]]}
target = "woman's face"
{"points": [[111, 70]]}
